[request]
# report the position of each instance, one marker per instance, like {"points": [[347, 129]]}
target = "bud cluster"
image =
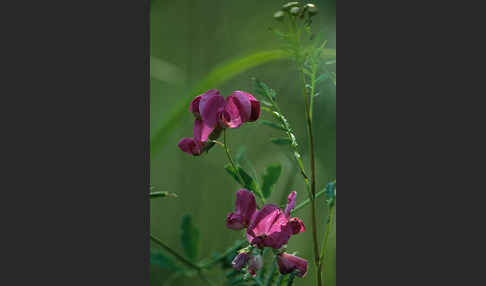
{"points": [[295, 9]]}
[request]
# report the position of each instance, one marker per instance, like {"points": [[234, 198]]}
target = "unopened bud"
{"points": [[240, 261], [294, 10], [312, 9], [287, 6], [279, 15]]}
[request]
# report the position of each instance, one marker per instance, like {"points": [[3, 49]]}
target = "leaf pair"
{"points": [[269, 178]]}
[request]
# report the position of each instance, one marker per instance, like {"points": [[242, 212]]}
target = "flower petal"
{"points": [[243, 97], [194, 107], [292, 199], [287, 263], [245, 205], [190, 146], [201, 130], [296, 225], [241, 100], [210, 106], [280, 232], [240, 261], [255, 109], [269, 228], [234, 221], [231, 116], [263, 220]]}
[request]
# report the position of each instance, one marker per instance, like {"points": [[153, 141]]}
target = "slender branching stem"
{"points": [[230, 159], [326, 239], [205, 279], [174, 253], [312, 184], [222, 256], [228, 154], [307, 201], [312, 192], [182, 259]]}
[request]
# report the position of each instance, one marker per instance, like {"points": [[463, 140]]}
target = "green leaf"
{"points": [[241, 155], [229, 168], [166, 72], [328, 54], [262, 89], [272, 124], [291, 278], [322, 77], [154, 195], [158, 258], [215, 78], [248, 182], [264, 102], [270, 178], [281, 141], [189, 237], [331, 193]]}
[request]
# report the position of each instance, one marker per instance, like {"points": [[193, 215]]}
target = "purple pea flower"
{"points": [[195, 146], [240, 261], [236, 109], [288, 263], [245, 207], [267, 227], [213, 113], [271, 227]]}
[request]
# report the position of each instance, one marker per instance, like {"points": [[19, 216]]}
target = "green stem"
{"points": [[312, 181], [205, 279], [312, 187], [182, 259], [228, 154], [326, 236], [307, 201], [269, 280], [174, 253], [223, 256], [288, 130], [258, 281], [291, 279]]}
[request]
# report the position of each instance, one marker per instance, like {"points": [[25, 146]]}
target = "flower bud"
{"points": [[295, 11], [240, 261], [311, 8], [288, 263], [287, 6], [279, 15]]}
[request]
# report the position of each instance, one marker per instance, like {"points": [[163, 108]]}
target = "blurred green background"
{"points": [[188, 39]]}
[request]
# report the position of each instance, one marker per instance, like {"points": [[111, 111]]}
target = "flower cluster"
{"points": [[266, 227], [213, 113]]}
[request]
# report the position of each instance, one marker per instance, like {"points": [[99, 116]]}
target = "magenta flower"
{"points": [[255, 264], [213, 113], [291, 200], [194, 146], [271, 227], [287, 263], [245, 207], [240, 260], [236, 109]]}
